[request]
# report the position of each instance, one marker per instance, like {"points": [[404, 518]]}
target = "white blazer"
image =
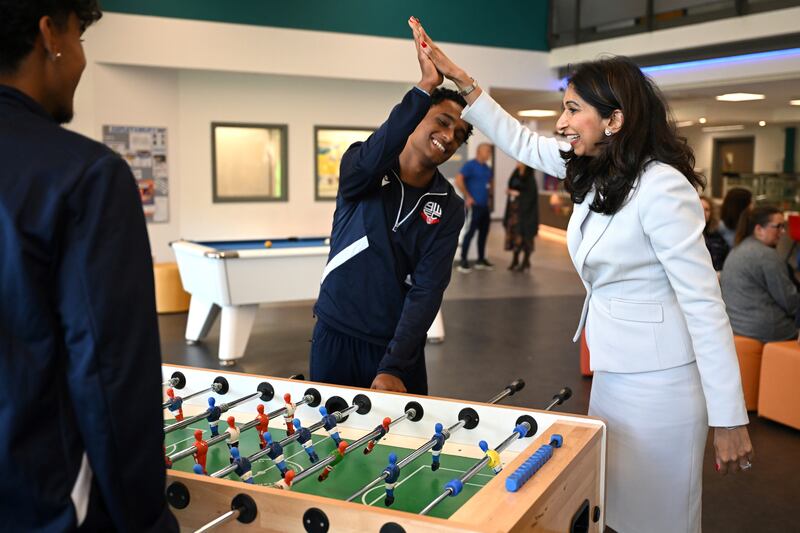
{"points": [[652, 297]]}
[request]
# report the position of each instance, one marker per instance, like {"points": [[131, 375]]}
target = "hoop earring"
{"points": [[608, 132]]}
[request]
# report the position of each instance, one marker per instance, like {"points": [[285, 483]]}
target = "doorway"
{"points": [[732, 156]]}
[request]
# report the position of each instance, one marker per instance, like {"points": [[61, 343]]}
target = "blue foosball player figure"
{"points": [[198, 469], [494, 457], [437, 448], [304, 438], [329, 423], [275, 452], [392, 474], [214, 413], [243, 467]]}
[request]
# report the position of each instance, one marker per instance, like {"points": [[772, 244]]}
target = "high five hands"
{"points": [[443, 64]]}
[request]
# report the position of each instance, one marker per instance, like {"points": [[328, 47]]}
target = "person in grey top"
{"points": [[760, 297]]}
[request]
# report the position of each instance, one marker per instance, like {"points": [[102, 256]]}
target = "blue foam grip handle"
{"points": [[521, 431], [455, 486], [527, 469], [556, 440]]}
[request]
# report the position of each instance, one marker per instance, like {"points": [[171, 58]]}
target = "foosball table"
{"points": [[247, 452]]}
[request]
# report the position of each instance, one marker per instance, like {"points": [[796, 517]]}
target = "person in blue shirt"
{"points": [[395, 233], [475, 183], [78, 326]]}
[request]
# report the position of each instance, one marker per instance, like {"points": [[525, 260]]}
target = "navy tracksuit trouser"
{"points": [[342, 359], [479, 222]]}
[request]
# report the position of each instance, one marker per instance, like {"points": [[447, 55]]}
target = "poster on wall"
{"points": [[145, 150], [330, 144]]}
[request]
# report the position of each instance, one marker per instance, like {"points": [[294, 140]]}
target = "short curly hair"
{"points": [[441, 94], [19, 24]]}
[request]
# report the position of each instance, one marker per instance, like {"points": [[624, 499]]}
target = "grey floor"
{"points": [[501, 326]]}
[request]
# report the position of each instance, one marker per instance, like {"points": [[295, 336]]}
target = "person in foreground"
{"points": [[80, 362], [395, 232], [664, 362]]}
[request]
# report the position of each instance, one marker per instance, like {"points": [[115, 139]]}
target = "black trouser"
{"points": [[478, 221], [341, 359]]}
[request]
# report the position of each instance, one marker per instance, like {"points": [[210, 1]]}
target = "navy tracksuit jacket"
{"points": [[383, 283], [80, 380]]}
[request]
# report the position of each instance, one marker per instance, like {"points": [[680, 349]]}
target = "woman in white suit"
{"points": [[665, 367]]}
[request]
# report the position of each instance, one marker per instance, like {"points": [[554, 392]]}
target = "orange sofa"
{"points": [[749, 352], [170, 296], [779, 390]]}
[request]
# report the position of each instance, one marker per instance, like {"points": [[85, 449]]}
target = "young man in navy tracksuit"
{"points": [[395, 232]]}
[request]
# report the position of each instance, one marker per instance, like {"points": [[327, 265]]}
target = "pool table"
{"points": [[234, 277]]}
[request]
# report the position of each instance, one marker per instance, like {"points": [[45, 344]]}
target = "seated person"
{"points": [[736, 201], [715, 242], [761, 299]]}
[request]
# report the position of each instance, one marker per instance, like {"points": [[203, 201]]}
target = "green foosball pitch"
{"points": [[417, 486]]}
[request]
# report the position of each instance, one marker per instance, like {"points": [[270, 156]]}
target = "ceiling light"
{"points": [[794, 102], [537, 113], [762, 123], [714, 129], [739, 97], [685, 123], [702, 120]]}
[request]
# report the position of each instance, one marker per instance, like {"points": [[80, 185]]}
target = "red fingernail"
{"points": [[716, 466], [424, 44]]}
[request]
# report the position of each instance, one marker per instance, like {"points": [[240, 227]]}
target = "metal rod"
{"points": [[224, 407], [469, 474], [291, 438], [427, 446], [325, 462], [233, 514], [244, 427], [189, 397]]}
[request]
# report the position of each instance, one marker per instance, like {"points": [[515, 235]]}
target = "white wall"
{"points": [[769, 147], [183, 74]]}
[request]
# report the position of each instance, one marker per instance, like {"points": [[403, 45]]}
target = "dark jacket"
{"points": [[527, 202], [79, 346], [373, 287]]}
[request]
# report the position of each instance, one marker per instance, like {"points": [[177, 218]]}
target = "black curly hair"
{"points": [[648, 134], [19, 24], [441, 94]]}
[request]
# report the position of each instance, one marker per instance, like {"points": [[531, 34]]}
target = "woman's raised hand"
{"points": [[431, 77], [443, 63]]}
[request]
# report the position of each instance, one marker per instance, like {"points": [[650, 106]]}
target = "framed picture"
{"points": [[249, 162], [330, 143]]}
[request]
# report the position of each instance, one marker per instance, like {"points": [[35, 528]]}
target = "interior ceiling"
{"points": [[689, 104]]}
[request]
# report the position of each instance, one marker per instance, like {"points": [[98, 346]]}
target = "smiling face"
{"points": [[581, 124], [440, 133]]}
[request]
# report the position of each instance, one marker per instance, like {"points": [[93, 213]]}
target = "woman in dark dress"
{"points": [[522, 216]]}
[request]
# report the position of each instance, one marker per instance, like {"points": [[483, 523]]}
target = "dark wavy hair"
{"points": [[648, 134], [752, 217], [19, 24], [736, 202]]}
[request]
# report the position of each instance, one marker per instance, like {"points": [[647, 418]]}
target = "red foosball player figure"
{"points": [[262, 426], [288, 416], [175, 404], [201, 449], [338, 455], [233, 433], [166, 458], [384, 429], [286, 482]]}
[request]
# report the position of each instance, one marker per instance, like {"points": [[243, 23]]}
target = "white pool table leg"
{"points": [[237, 323], [436, 331], [202, 315]]}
